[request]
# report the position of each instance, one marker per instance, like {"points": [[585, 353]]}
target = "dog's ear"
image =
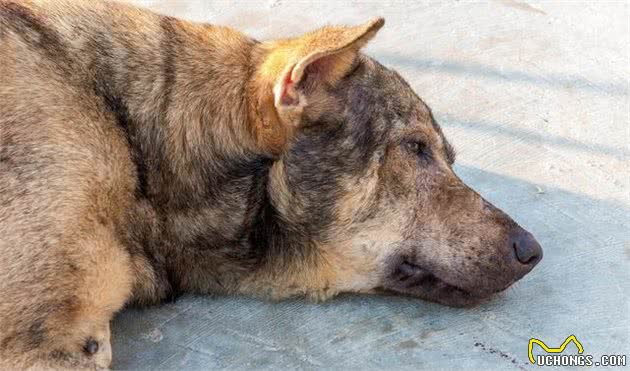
{"points": [[323, 56]]}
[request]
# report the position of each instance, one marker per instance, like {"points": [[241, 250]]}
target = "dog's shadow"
{"points": [[389, 331]]}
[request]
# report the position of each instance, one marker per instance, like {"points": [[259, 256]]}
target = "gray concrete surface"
{"points": [[535, 96]]}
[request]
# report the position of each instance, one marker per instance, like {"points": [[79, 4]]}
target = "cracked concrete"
{"points": [[535, 97]]}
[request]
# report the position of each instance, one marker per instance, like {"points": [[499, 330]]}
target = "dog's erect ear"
{"points": [[328, 53], [324, 56]]}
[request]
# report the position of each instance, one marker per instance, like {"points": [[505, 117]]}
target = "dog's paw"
{"points": [[93, 355], [99, 352], [88, 353]]}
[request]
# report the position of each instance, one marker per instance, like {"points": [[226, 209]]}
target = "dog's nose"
{"points": [[528, 251]]}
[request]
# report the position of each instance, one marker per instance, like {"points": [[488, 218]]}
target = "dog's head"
{"points": [[366, 175]]}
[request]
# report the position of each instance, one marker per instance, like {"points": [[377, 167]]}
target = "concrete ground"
{"points": [[535, 97]]}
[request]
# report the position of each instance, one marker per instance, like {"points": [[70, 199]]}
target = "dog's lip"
{"points": [[411, 278], [420, 276]]}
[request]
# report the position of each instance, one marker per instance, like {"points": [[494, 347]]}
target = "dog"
{"points": [[143, 156]]}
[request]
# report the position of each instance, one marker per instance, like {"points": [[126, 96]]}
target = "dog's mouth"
{"points": [[411, 279]]}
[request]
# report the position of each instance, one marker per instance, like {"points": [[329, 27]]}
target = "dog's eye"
{"points": [[417, 148]]}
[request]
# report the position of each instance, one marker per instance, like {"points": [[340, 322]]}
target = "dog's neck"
{"points": [[208, 213]]}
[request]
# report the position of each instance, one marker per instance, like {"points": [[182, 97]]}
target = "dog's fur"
{"points": [[142, 156]]}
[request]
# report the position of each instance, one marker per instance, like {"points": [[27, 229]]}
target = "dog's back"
{"points": [[91, 99], [65, 180]]}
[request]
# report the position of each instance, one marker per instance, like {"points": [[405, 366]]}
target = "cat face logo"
{"points": [[547, 349]]}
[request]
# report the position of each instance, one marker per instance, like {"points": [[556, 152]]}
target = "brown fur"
{"points": [[142, 157]]}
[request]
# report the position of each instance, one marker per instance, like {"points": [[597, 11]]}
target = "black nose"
{"points": [[528, 250]]}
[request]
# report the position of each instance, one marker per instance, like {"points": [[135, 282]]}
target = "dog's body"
{"points": [[143, 156]]}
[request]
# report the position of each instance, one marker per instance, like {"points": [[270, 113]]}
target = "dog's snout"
{"points": [[527, 250]]}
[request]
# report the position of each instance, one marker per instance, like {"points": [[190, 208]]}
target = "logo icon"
{"points": [[547, 349]]}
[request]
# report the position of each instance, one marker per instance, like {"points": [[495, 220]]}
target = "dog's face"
{"points": [[369, 176]]}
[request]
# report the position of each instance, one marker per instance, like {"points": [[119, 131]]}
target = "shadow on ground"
{"points": [[549, 80], [493, 129]]}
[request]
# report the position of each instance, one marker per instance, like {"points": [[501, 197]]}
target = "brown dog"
{"points": [[142, 156]]}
